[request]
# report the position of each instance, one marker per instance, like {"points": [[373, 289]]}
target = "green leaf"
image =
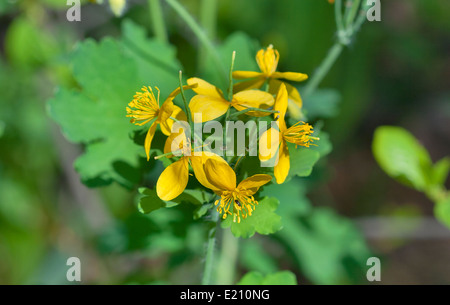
{"points": [[109, 73], [27, 45], [150, 201], [401, 156], [278, 278], [202, 210], [245, 47], [322, 103], [302, 160], [327, 247], [324, 146], [440, 171], [442, 211], [264, 220]]}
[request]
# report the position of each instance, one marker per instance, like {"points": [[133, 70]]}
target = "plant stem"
{"points": [[323, 69], [157, 18], [338, 15], [345, 34], [352, 13], [183, 97], [228, 258], [211, 244], [201, 35], [208, 16]]}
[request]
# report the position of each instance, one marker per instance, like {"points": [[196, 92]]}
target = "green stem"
{"points": [[230, 77], [324, 68], [208, 16], [352, 13], [171, 154], [360, 19], [157, 18], [338, 15], [201, 35], [226, 266], [183, 97], [210, 246]]}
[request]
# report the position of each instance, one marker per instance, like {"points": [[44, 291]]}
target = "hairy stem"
{"points": [[210, 247], [208, 20], [228, 258], [324, 68]]}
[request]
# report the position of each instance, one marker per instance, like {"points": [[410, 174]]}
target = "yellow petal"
{"points": [[165, 112], [166, 126], [253, 99], [293, 76], [295, 111], [274, 86], [246, 74], [198, 163], [210, 107], [268, 60], [220, 175], [148, 139], [294, 99], [250, 84], [281, 103], [254, 182], [173, 180], [205, 88], [269, 142], [281, 170]]}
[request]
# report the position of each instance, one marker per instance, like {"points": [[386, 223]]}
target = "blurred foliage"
{"points": [[403, 158], [278, 278]]}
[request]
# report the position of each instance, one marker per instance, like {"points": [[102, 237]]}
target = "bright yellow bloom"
{"points": [[145, 108], [275, 141], [211, 103], [268, 61], [174, 178], [234, 200]]}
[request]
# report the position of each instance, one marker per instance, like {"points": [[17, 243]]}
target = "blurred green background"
{"points": [[396, 72]]}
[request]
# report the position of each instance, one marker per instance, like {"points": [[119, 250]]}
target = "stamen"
{"points": [[300, 134]]}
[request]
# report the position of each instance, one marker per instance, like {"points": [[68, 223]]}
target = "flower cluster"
{"points": [[209, 104]]}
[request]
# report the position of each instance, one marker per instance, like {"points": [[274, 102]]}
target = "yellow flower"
{"points": [[234, 200], [211, 103], [268, 61], [174, 178], [145, 108], [275, 141]]}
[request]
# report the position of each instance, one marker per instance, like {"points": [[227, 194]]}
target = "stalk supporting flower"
{"points": [[268, 62], [144, 108], [274, 141], [237, 201], [211, 103]]}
